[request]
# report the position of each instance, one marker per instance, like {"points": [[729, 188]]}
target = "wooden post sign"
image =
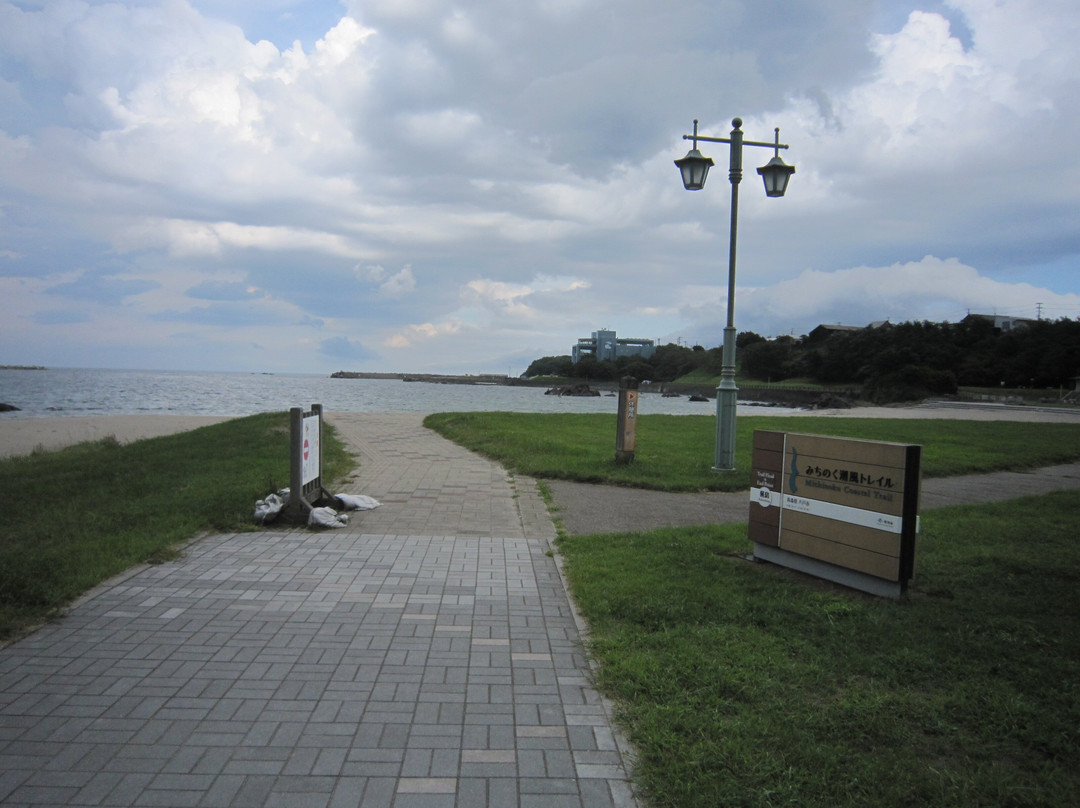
{"points": [[842, 509], [626, 422], [305, 467]]}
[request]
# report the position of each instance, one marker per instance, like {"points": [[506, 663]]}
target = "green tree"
{"points": [[747, 338], [550, 366], [672, 361], [589, 368], [768, 360]]}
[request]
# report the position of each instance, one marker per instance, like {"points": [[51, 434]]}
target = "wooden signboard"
{"points": [[838, 508], [626, 437]]}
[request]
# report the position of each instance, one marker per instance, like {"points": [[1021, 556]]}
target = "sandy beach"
{"points": [[21, 436]]}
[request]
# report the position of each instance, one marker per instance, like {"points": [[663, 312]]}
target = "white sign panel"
{"points": [[311, 455], [829, 510]]}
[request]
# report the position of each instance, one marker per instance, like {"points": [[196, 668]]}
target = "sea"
{"points": [[54, 392]]}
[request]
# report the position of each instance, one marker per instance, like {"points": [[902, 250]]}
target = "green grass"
{"points": [[78, 516], [748, 685], [675, 453], [745, 685], [740, 684]]}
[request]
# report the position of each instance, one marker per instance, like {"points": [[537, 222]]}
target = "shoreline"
{"points": [[23, 435]]}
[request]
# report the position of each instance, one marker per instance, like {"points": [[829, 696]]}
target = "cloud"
{"points": [[422, 332], [222, 290], [463, 183], [398, 284], [501, 297], [100, 288], [930, 289], [60, 317], [345, 348], [511, 302]]}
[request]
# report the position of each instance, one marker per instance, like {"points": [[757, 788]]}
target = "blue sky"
{"points": [[420, 185]]}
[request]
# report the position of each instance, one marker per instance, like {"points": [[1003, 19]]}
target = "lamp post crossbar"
{"points": [[695, 168], [745, 142]]}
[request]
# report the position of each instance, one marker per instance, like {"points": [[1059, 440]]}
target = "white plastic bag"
{"points": [[356, 502], [326, 517], [267, 510]]}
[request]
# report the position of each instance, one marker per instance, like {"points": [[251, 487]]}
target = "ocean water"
{"points": [[80, 391]]}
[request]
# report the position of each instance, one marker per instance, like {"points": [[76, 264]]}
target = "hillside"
{"points": [[891, 362]]}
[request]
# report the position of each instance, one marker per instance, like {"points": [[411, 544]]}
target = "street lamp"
{"points": [[775, 174]]}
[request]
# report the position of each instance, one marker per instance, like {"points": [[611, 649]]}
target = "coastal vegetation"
{"points": [[890, 362], [76, 517]]}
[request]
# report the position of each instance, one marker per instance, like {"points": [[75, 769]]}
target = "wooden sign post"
{"points": [[626, 436], [841, 509]]}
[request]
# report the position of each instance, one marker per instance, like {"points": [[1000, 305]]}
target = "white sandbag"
{"points": [[267, 510], [326, 517], [356, 502]]}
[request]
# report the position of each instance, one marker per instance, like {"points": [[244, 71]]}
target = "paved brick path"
{"points": [[586, 508], [427, 655]]}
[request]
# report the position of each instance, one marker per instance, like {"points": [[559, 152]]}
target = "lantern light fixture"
{"points": [[695, 166], [776, 172]]}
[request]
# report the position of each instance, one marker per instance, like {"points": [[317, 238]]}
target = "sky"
{"points": [[463, 187]]}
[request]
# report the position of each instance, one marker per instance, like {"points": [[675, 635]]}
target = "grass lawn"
{"points": [[76, 517], [742, 684], [739, 684], [675, 452]]}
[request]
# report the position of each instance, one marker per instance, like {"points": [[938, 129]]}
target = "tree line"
{"points": [[890, 362]]}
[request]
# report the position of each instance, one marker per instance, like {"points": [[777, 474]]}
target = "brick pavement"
{"points": [[425, 656]]}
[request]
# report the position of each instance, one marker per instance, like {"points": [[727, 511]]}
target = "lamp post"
{"points": [[776, 173]]}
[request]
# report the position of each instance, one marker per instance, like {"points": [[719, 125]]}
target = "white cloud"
{"points": [[191, 238], [460, 181], [398, 284], [423, 332], [929, 289], [517, 303], [504, 298]]}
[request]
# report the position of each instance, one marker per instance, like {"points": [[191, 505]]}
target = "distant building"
{"points": [[1002, 321], [826, 330], [604, 345]]}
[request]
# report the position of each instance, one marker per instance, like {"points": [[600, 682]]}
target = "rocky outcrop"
{"points": [[831, 402], [572, 390], [8, 408]]}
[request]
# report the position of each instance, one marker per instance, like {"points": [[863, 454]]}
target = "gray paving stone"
{"points": [[426, 655]]}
